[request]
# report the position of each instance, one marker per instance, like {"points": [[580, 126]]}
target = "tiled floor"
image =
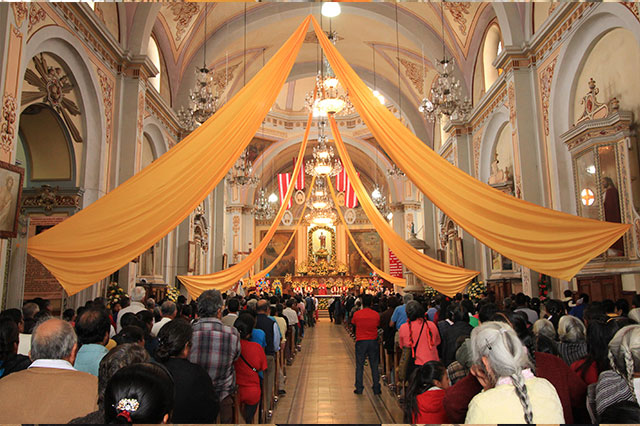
{"points": [[320, 384]]}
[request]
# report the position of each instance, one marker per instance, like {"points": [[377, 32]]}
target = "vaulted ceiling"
{"points": [[362, 28]]}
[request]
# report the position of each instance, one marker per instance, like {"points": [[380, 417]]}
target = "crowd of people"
{"points": [[454, 360], [139, 361]]}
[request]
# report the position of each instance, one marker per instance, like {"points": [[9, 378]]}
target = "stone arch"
{"points": [[144, 18], [492, 130], [510, 23], [68, 48], [604, 18], [272, 152], [153, 128]]}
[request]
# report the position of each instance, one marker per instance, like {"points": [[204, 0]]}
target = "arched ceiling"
{"points": [[361, 27]]}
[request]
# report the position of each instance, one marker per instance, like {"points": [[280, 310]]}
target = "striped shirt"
{"points": [[611, 389], [571, 352], [215, 347]]}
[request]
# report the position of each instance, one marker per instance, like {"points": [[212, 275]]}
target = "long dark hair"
{"points": [[146, 387], [420, 381], [599, 334], [172, 339], [8, 337]]}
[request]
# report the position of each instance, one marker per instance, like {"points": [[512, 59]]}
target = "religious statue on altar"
{"points": [[322, 289]]}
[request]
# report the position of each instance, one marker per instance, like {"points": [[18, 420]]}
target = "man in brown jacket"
{"points": [[50, 390]]}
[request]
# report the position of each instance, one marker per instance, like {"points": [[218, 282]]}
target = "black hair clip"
{"points": [[488, 345]]}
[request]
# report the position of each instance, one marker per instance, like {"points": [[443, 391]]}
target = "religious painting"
{"points": [[321, 243], [11, 178], [371, 246], [287, 264]]}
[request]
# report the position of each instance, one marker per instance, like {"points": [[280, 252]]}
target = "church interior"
{"points": [[537, 102]]}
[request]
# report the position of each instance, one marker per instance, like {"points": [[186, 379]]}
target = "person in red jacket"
{"points": [[425, 394], [367, 322]]}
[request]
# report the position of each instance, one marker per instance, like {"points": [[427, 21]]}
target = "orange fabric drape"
{"points": [[447, 279], [225, 279], [545, 240], [393, 280], [103, 237], [260, 275]]}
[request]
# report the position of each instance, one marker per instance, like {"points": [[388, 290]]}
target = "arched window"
{"points": [[490, 50], [154, 56]]}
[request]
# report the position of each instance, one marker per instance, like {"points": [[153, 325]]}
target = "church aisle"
{"points": [[320, 384]]}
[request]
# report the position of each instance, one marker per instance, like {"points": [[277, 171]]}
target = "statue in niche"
{"points": [[497, 175], [323, 240]]}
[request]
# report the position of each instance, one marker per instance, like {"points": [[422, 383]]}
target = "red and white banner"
{"points": [[395, 266], [341, 180], [300, 179], [284, 180], [350, 199]]}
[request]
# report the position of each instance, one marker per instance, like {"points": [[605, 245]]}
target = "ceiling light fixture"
{"points": [[330, 9]]}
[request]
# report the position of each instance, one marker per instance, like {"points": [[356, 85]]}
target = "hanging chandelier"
{"points": [[204, 101], [380, 201], [446, 93], [322, 163], [320, 207], [241, 174], [394, 172], [330, 97], [263, 209]]}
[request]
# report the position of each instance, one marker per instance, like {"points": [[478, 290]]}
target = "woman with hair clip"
{"points": [[195, 399], [252, 361], [618, 384], [139, 393], [512, 394], [425, 393]]}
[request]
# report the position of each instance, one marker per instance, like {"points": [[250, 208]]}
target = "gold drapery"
{"points": [[447, 279], [545, 240], [112, 231], [225, 279], [393, 280], [260, 275]]}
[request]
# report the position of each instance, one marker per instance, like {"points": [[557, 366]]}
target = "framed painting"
{"points": [[371, 245], [11, 178], [287, 264]]}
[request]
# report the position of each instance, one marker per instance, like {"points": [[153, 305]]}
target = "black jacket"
{"points": [[13, 363], [266, 324], [195, 401]]}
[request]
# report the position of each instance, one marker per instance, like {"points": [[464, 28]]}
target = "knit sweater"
{"points": [[570, 388]]}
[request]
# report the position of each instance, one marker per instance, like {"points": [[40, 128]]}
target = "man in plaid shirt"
{"points": [[215, 347]]}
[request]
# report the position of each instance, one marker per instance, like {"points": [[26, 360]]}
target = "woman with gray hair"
{"points": [[618, 384], [573, 343], [512, 394]]}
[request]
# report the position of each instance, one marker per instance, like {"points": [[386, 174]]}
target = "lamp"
{"points": [[241, 172], [330, 9], [263, 208], [322, 163], [203, 100], [446, 93]]}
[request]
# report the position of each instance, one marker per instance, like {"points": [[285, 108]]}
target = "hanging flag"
{"points": [[284, 180], [395, 266], [350, 198], [300, 179], [341, 180]]}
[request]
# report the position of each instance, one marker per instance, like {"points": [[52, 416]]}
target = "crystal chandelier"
{"points": [[322, 163], [263, 209], [394, 172], [242, 171], [203, 100], [320, 207], [380, 201], [446, 93], [330, 97]]}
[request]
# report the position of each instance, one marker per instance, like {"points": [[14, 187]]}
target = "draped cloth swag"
{"points": [[545, 240], [260, 275], [447, 279], [225, 279], [401, 282], [112, 231]]}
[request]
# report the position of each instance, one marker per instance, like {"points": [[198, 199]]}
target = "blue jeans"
{"points": [[367, 349]]}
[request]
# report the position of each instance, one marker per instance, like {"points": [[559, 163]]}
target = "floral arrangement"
{"points": [[288, 279], [477, 289], [430, 292], [544, 286], [302, 268], [172, 294], [115, 294], [341, 268]]}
